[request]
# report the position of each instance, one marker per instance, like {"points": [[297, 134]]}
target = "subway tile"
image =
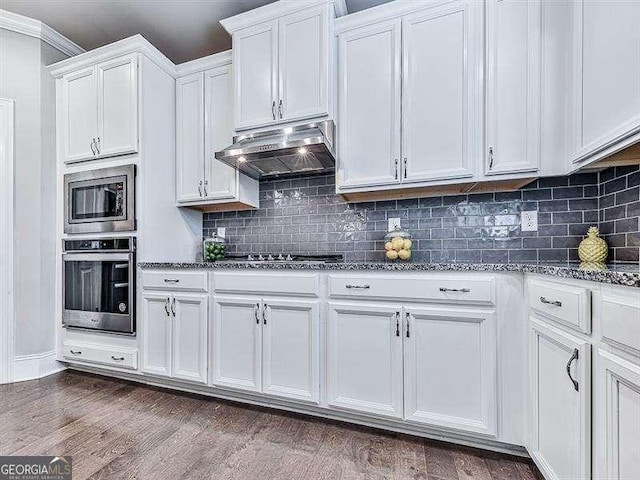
{"points": [[567, 217], [468, 256], [506, 196], [536, 242], [553, 255], [542, 194], [495, 256], [628, 196], [516, 256], [554, 206], [629, 254], [616, 240], [553, 182], [566, 242], [454, 244], [568, 192], [583, 204], [615, 185], [626, 225], [615, 213], [583, 179]]}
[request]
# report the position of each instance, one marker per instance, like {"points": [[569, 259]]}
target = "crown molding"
{"points": [[35, 28], [134, 44], [275, 10], [386, 11], [205, 63]]}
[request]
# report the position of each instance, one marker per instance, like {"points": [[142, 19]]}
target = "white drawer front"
{"points": [[264, 284], [175, 280], [457, 289], [621, 321], [116, 357], [567, 304]]}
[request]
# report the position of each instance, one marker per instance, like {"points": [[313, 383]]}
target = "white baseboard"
{"points": [[31, 367]]}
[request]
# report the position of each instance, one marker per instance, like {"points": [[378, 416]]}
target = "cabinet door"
{"points": [[220, 180], [190, 137], [561, 411], [118, 106], [255, 60], [441, 97], [365, 359], [79, 115], [607, 74], [291, 352], [450, 363], [155, 333], [513, 86], [617, 412], [237, 343], [303, 64], [369, 106], [190, 337]]}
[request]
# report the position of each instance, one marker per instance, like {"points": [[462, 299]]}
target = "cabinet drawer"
{"points": [[117, 357], [175, 281], [285, 283], [566, 304], [621, 321], [459, 289]]}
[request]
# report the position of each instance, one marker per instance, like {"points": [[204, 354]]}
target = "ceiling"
{"points": [[182, 29]]}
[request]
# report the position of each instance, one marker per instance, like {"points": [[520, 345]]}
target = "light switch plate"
{"points": [[394, 223], [529, 221]]}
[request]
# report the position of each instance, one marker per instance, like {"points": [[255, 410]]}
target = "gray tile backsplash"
{"points": [[305, 215]]}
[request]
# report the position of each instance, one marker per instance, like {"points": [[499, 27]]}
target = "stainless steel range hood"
{"points": [[284, 151]]}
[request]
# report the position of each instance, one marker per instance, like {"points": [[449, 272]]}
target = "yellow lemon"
{"points": [[397, 243], [407, 244], [404, 254], [388, 246], [392, 254]]}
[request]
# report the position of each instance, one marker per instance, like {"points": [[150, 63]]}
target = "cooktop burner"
{"points": [[283, 257]]}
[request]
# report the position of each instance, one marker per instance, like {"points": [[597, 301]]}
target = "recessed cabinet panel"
{"points": [[365, 359], [513, 86], [220, 179], [118, 106], [156, 334], [440, 92], [369, 106], [607, 73], [80, 114], [190, 133], [303, 70], [450, 362], [236, 342], [255, 51], [291, 356], [561, 430], [190, 337]]}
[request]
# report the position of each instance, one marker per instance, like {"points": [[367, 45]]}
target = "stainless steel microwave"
{"points": [[98, 201]]}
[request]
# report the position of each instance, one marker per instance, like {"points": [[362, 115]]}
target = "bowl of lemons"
{"points": [[398, 245]]}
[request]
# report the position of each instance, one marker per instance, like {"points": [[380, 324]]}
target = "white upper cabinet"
{"points": [[441, 94], [513, 86], [463, 395], [100, 110], [369, 105], [255, 56], [607, 77], [281, 64]]}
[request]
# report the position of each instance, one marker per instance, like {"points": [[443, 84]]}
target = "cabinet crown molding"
{"points": [[205, 63], [276, 10], [386, 11], [134, 44], [35, 28]]}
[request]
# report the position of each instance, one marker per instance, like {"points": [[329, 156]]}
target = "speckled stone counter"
{"points": [[618, 274]]}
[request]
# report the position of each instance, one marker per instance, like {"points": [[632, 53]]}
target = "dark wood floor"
{"points": [[120, 430]]}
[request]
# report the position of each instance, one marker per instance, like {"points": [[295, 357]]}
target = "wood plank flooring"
{"points": [[120, 430]]}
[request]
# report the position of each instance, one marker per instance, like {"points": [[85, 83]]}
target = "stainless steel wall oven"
{"points": [[100, 200], [99, 284]]}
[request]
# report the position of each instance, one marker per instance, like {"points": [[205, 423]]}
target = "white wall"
{"points": [[24, 79]]}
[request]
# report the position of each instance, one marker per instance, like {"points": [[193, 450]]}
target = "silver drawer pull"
{"points": [[460, 290], [555, 303], [77, 352], [363, 287], [117, 359], [171, 280]]}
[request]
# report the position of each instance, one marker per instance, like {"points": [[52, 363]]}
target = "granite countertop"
{"points": [[618, 274]]}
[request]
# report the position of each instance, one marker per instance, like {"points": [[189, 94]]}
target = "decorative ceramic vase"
{"points": [[593, 249]]}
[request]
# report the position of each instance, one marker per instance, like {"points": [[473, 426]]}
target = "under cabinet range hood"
{"points": [[303, 149]]}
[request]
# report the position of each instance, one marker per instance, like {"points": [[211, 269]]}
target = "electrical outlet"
{"points": [[529, 221], [222, 231], [394, 223]]}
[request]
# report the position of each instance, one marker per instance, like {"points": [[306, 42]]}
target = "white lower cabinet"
{"points": [[617, 415], [560, 375], [365, 358], [268, 346], [449, 368], [174, 333]]}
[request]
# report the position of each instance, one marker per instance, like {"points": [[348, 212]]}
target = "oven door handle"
{"points": [[97, 257]]}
